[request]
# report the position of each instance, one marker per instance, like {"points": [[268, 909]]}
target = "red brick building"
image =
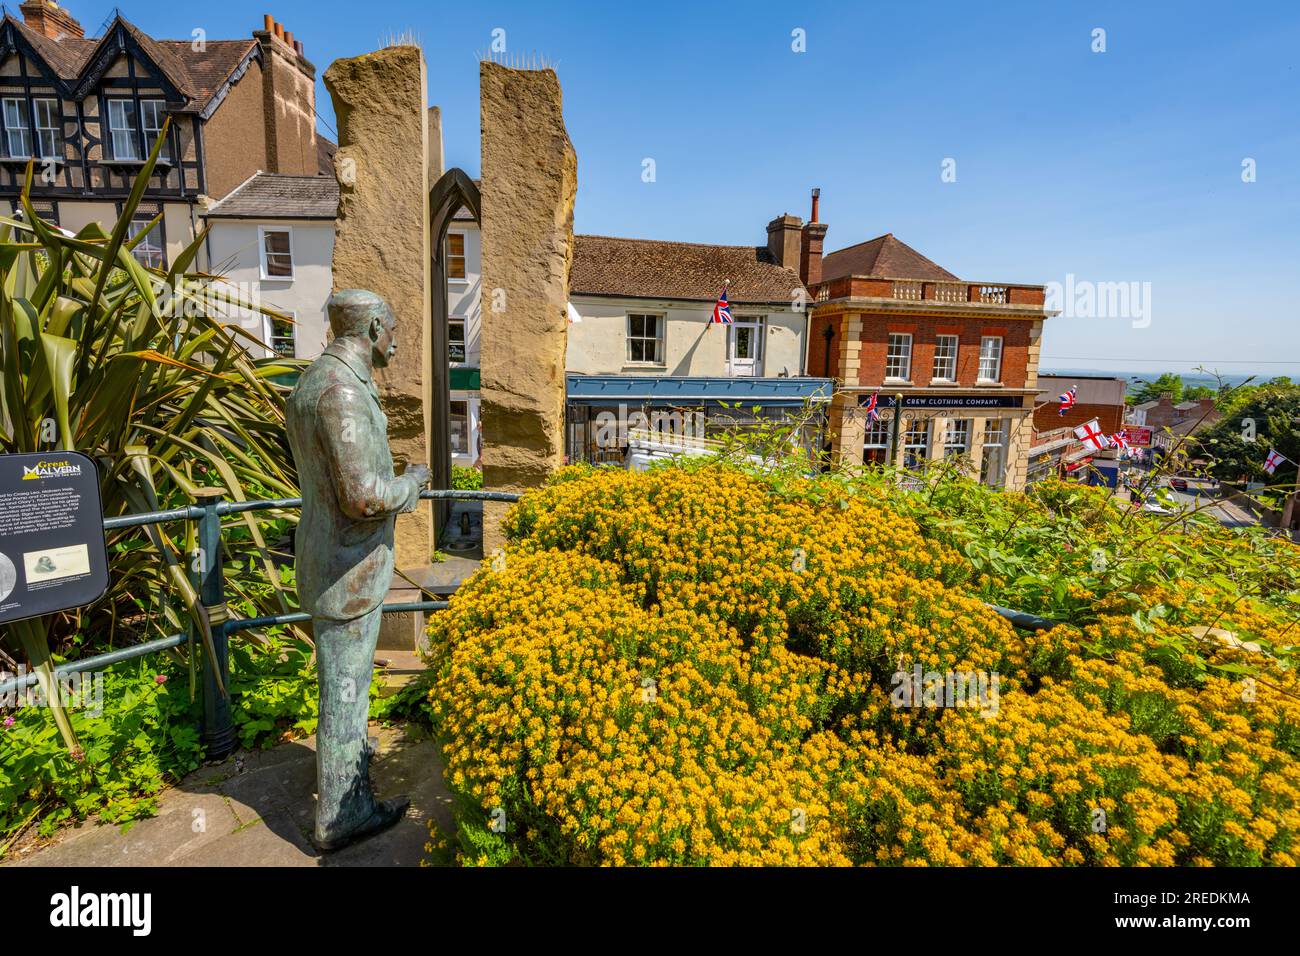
{"points": [[960, 355], [1055, 449]]}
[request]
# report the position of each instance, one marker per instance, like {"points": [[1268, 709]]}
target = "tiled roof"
{"points": [[277, 196], [883, 256], [206, 72], [651, 269], [65, 57], [198, 74]]}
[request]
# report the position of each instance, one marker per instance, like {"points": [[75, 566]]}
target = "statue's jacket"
{"points": [[350, 496]]}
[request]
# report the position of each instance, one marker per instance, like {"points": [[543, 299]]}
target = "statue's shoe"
{"points": [[385, 814]]}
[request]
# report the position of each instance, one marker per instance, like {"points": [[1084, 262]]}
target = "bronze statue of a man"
{"points": [[344, 548]]}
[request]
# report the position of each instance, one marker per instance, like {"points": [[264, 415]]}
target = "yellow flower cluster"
{"points": [[682, 667]]}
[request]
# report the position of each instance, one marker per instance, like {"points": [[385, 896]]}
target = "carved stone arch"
{"points": [[453, 191]]}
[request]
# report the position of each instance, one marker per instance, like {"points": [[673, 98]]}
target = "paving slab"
{"points": [[256, 809]]}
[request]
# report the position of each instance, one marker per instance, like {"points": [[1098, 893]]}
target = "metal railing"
{"points": [[218, 726]]}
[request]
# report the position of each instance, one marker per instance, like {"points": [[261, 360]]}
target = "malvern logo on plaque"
{"points": [[51, 469], [51, 534]]}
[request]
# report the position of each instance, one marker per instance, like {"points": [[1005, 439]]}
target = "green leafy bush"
{"points": [[466, 479]]}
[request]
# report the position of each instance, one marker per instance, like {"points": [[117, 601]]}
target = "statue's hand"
{"points": [[420, 473]]}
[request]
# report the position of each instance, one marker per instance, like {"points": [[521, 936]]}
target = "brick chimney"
{"points": [[810, 246], [783, 240], [48, 18], [289, 101]]}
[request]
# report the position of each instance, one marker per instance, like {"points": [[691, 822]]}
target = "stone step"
{"points": [[405, 631], [397, 669]]}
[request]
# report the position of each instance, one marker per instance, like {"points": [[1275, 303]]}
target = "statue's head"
{"points": [[361, 314]]}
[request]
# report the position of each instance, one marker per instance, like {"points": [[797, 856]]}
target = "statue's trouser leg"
{"points": [[345, 654]]}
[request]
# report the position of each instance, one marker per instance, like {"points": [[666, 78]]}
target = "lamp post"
{"points": [[898, 427]]}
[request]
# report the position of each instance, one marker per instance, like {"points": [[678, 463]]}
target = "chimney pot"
{"points": [[268, 23], [297, 45], [288, 38], [279, 31], [810, 245]]}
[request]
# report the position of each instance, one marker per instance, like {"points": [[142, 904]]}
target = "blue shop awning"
{"points": [[697, 390]]}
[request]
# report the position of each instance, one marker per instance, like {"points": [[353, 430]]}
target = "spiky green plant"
{"points": [[136, 368]]}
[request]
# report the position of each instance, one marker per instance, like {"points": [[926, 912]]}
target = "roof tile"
{"points": [[885, 257], [652, 269], [279, 196]]}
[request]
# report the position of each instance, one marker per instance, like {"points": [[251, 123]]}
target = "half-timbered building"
{"points": [[84, 112]]}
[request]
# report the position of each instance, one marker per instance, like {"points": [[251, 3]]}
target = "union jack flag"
{"points": [[873, 415], [1118, 440], [722, 310], [1067, 399]]}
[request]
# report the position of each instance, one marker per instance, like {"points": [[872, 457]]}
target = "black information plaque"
{"points": [[52, 553]]}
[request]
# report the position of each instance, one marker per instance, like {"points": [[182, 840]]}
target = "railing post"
{"points": [[218, 728]]}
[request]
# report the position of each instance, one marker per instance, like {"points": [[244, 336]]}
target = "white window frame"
{"points": [[463, 322], [659, 338], [877, 436], [150, 133], [131, 133], [469, 427], [941, 354], [292, 316], [262, 232], [905, 339], [54, 130], [149, 251], [956, 437], [19, 127], [996, 432], [463, 257], [908, 445], [991, 356]]}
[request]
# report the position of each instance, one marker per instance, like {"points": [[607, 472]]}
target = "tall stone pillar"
{"points": [[848, 426], [1020, 435], [848, 423], [381, 242], [529, 178]]}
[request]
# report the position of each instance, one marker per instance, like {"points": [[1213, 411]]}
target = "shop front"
{"points": [[605, 412], [989, 431]]}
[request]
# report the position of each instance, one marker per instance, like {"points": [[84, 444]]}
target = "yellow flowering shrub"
{"points": [[688, 666]]}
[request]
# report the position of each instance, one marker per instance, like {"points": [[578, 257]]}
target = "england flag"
{"points": [[1091, 434]]}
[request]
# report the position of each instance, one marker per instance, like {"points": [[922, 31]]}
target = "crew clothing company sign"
{"points": [[51, 534]]}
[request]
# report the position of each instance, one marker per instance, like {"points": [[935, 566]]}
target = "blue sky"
{"points": [[1122, 166]]}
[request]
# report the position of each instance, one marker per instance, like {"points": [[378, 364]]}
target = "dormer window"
{"points": [[49, 128], [122, 133], [18, 135], [152, 115], [22, 118]]}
